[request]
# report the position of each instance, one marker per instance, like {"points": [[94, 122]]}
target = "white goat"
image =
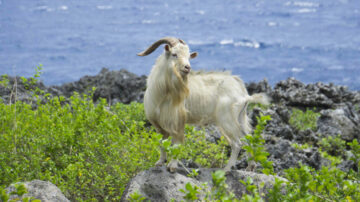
{"points": [[174, 96]]}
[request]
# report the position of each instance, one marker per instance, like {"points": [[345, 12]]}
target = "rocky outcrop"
{"points": [[292, 92], [114, 86], [157, 184], [37, 189], [343, 121]]}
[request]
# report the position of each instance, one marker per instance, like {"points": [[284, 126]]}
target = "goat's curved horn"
{"points": [[168, 40]]}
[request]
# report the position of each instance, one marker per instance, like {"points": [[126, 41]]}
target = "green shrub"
{"points": [[334, 146], [87, 150], [254, 146], [304, 120]]}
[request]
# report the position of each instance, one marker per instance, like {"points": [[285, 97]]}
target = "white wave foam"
{"points": [[305, 4], [147, 22], [200, 12], [302, 4], [63, 8], [198, 42], [272, 24], [226, 41], [44, 8], [306, 10], [104, 7], [249, 44], [297, 70]]}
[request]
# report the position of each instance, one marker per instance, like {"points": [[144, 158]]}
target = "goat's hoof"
{"points": [[172, 166], [159, 163], [227, 169], [251, 168]]}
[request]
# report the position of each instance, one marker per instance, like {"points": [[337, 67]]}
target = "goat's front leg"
{"points": [[162, 158], [173, 164]]}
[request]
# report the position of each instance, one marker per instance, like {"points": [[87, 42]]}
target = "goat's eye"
{"points": [[174, 55]]}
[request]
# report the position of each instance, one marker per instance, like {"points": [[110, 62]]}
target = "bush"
{"points": [[86, 150], [89, 151], [304, 120]]}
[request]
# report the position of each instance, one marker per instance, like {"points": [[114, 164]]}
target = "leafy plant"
{"points": [[4, 82], [333, 145], [304, 120], [252, 189], [254, 146], [20, 190], [136, 197]]}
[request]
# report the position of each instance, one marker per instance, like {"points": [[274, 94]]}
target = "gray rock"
{"points": [[261, 87], [45, 191], [284, 156], [342, 121], [324, 96], [115, 86], [157, 184]]}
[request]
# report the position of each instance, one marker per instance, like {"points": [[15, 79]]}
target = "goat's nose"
{"points": [[187, 67]]}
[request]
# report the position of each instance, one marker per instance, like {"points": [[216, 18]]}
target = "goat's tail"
{"points": [[260, 98]]}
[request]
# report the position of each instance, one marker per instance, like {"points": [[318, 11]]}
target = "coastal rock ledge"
{"points": [[157, 184]]}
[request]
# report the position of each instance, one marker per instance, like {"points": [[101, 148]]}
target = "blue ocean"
{"points": [[311, 40]]}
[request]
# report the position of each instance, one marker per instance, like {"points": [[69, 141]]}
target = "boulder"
{"points": [[343, 121], [45, 191], [115, 86], [157, 184], [324, 96]]}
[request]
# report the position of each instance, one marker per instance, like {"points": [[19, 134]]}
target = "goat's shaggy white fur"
{"points": [[174, 97]]}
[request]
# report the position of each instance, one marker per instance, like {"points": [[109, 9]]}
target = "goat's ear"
{"points": [[193, 55], [167, 48]]}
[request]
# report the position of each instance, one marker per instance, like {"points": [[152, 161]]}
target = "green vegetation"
{"points": [[254, 146], [304, 120], [20, 190], [333, 145], [303, 183], [91, 151]]}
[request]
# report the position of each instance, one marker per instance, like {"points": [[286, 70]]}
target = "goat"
{"points": [[176, 96]]}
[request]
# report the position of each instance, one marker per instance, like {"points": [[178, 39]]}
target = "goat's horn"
{"points": [[168, 40]]}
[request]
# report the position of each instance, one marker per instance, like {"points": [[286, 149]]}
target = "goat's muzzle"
{"points": [[186, 69]]}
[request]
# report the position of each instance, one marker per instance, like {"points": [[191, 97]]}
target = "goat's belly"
{"points": [[200, 116]]}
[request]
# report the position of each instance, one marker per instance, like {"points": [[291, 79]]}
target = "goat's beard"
{"points": [[178, 86]]}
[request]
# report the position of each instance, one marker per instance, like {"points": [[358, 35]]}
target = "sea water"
{"points": [[311, 40]]}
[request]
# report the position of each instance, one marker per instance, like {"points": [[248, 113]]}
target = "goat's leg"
{"points": [[173, 164], [162, 158], [233, 125], [235, 149]]}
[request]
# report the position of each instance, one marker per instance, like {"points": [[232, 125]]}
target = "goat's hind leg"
{"points": [[231, 130], [234, 125], [235, 149]]}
